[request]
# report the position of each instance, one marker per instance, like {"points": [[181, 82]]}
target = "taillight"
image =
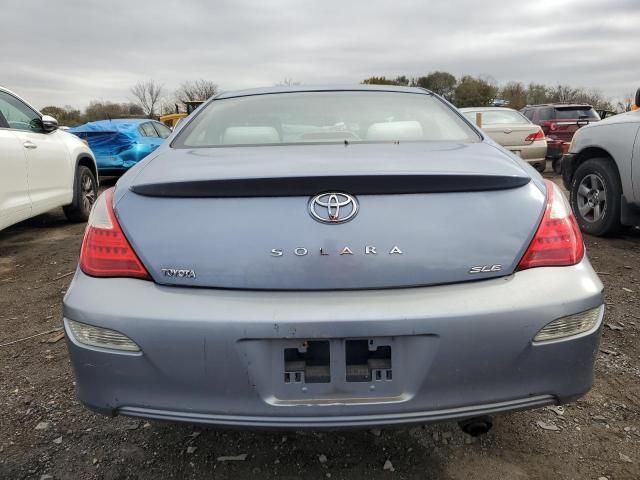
{"points": [[553, 126], [558, 241], [106, 252], [532, 137]]}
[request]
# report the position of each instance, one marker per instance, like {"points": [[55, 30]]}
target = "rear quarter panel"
{"points": [[619, 139]]}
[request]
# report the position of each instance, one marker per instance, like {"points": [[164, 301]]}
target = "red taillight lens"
{"points": [[553, 126], [539, 135], [105, 250], [558, 241]]}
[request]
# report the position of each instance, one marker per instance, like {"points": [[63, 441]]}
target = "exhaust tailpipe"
{"points": [[476, 426]]}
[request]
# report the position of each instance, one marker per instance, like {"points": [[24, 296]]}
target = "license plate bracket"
{"points": [[366, 361], [330, 371]]}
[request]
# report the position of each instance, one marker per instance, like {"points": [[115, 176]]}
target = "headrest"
{"points": [[250, 135], [389, 131]]}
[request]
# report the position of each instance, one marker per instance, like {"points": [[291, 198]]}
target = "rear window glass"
{"points": [[574, 113], [498, 117], [147, 130], [324, 117], [163, 131], [546, 114]]}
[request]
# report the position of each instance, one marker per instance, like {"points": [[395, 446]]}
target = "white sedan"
{"points": [[41, 167], [513, 131]]}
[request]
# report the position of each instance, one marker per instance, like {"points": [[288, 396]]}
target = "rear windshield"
{"points": [[498, 117], [324, 117], [575, 113]]}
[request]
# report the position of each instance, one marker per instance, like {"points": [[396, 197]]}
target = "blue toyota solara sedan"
{"points": [[323, 257]]}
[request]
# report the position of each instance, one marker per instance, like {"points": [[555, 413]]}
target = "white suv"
{"points": [[602, 173], [41, 167]]}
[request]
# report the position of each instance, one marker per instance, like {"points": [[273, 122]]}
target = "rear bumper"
{"points": [[317, 422], [215, 356]]}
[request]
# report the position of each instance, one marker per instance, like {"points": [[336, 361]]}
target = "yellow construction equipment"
{"points": [[172, 119]]}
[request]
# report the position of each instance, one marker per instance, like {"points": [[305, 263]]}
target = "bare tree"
{"points": [[563, 94], [196, 90], [626, 104], [148, 95], [537, 94], [99, 110], [595, 98]]}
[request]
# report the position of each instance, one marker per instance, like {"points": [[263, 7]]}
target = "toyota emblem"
{"points": [[333, 207]]}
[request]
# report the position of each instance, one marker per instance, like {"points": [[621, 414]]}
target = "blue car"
{"points": [[119, 144], [308, 257]]}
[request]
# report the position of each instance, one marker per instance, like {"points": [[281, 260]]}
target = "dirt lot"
{"points": [[46, 433]]}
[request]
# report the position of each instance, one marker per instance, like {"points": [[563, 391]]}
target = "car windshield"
{"points": [[325, 117], [497, 117], [574, 113]]}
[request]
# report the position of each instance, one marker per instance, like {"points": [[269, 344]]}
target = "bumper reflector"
{"points": [[570, 325], [101, 337]]}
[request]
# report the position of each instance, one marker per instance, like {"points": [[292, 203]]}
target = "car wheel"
{"points": [[85, 192], [595, 197]]}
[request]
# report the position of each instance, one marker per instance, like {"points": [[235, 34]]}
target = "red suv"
{"points": [[559, 121]]}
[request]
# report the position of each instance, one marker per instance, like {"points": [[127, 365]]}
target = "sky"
{"points": [[70, 52]]}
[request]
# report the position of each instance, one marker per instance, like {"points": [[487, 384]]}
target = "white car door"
{"points": [[50, 174], [15, 204]]}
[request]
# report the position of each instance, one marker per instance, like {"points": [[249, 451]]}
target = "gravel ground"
{"points": [[46, 433]]}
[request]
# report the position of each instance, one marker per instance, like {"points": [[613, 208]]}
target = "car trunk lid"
{"points": [[239, 217], [513, 135]]}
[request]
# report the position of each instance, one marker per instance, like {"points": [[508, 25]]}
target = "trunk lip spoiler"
{"points": [[394, 184]]}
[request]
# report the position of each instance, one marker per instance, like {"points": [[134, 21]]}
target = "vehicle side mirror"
{"points": [[49, 124], [638, 98]]}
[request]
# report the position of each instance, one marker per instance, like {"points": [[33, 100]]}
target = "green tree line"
{"points": [[71, 117], [470, 91], [150, 99]]}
